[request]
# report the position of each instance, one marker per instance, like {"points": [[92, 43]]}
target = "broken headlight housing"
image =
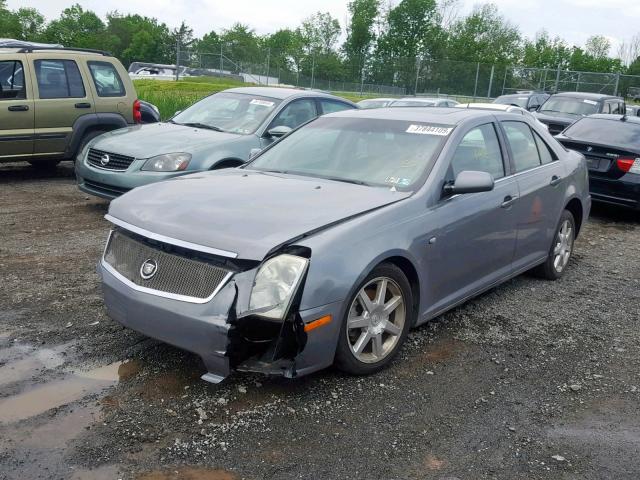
{"points": [[275, 285]]}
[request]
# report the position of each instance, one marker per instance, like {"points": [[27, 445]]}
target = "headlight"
{"points": [[275, 285], [169, 162]]}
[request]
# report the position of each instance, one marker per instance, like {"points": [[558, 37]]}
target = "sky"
{"points": [[573, 20]]}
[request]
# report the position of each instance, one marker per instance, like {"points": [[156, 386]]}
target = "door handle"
{"points": [[83, 105], [18, 108], [508, 201], [555, 180]]}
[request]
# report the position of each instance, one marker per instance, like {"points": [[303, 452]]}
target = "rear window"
{"points": [[106, 79], [11, 80], [59, 79], [615, 132]]}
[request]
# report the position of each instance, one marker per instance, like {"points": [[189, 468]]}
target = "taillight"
{"points": [[629, 165], [137, 115]]}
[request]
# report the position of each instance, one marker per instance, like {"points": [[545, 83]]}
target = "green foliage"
{"points": [[137, 38], [77, 27], [360, 33]]}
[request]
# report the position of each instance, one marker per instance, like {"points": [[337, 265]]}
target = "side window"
{"points": [[546, 154], [59, 79], [106, 79], [606, 107], [12, 80], [296, 113], [615, 107], [479, 150], [523, 146], [329, 106]]}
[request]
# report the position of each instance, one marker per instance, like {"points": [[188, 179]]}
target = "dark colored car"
{"points": [[529, 101], [633, 110], [562, 109], [332, 243], [611, 144], [149, 112]]}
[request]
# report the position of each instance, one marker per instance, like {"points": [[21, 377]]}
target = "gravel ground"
{"points": [[534, 379]]}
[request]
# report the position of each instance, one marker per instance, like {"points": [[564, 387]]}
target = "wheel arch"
{"points": [[90, 122], [574, 206]]}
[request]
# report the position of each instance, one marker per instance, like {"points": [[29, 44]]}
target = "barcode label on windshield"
{"points": [[429, 130]]}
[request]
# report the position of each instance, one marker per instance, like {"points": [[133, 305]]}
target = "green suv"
{"points": [[54, 100]]}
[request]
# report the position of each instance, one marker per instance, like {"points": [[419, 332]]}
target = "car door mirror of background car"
{"points": [[470, 181], [279, 131]]}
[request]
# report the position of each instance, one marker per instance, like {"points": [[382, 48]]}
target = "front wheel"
{"points": [[561, 249], [377, 321]]}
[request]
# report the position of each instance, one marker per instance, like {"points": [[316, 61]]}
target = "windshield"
{"points": [[229, 112], [575, 106], [412, 103], [359, 150], [519, 101], [373, 103], [625, 135]]}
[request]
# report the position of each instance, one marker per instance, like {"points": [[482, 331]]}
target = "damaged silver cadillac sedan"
{"points": [[331, 244]]}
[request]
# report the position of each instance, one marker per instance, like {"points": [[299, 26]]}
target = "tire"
{"points": [[90, 135], [561, 249], [44, 164], [369, 337]]}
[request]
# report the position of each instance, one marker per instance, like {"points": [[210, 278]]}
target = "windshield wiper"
{"points": [[348, 180], [201, 125]]}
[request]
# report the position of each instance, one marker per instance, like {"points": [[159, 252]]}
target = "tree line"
{"points": [[383, 41]]}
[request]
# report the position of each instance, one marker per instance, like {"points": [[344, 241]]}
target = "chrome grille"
{"points": [[116, 161], [175, 274]]}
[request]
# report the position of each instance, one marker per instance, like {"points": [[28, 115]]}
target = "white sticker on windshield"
{"points": [[263, 103], [590, 102], [429, 130]]}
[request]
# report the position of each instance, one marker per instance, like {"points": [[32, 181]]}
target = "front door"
{"points": [[475, 247], [16, 109], [62, 98], [292, 115]]}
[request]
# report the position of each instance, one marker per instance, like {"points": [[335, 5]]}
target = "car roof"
{"points": [[419, 99], [615, 118], [440, 115], [282, 93], [487, 106], [526, 94], [589, 95], [381, 99]]}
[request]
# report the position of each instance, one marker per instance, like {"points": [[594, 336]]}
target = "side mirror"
{"points": [[279, 131], [253, 152], [470, 181]]}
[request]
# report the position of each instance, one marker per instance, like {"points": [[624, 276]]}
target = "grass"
{"points": [[170, 97]]}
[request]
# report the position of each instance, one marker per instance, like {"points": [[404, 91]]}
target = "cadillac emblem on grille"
{"points": [[104, 159], [148, 269]]}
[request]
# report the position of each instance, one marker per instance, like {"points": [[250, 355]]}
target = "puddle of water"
{"points": [[188, 474], [15, 371], [40, 399]]}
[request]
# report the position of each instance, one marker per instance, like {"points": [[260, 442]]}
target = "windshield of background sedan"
{"points": [[228, 112], [519, 101], [616, 133], [413, 103], [575, 106], [374, 152]]}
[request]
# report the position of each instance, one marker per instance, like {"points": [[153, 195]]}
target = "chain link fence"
{"points": [[394, 76]]}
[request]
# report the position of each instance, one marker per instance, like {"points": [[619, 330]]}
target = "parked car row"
{"points": [[407, 102], [282, 231]]}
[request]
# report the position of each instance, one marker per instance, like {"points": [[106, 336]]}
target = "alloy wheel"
{"points": [[376, 320], [564, 245]]}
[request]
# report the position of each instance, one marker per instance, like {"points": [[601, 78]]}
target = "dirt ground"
{"points": [[533, 380]]}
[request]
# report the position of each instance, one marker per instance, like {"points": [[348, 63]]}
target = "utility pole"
{"points": [[557, 79], [362, 79], [493, 67], [268, 60], [178, 58], [221, 46], [313, 67], [415, 90], [475, 88]]}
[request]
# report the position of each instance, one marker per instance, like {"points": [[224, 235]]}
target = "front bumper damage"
{"points": [[222, 334]]}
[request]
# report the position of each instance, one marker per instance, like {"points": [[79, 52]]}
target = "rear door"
{"points": [[541, 182], [16, 107], [62, 96]]}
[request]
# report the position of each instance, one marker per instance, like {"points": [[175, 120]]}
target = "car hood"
{"points": [[243, 211], [557, 117], [144, 141]]}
